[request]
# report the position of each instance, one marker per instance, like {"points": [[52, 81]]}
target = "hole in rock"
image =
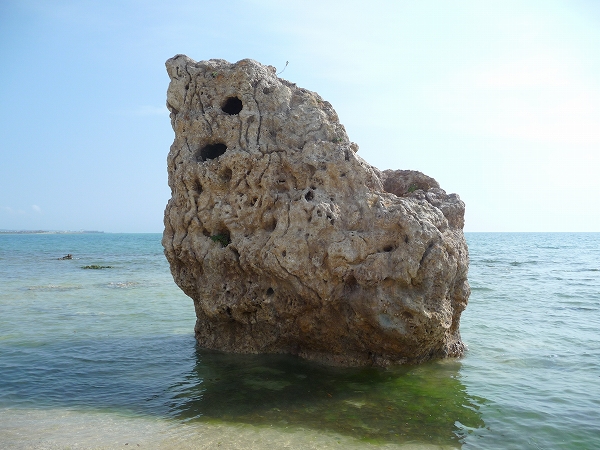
{"points": [[222, 237], [351, 282], [309, 196], [198, 187], [227, 174], [270, 291], [270, 225], [211, 151], [232, 106], [283, 253], [388, 248], [406, 239]]}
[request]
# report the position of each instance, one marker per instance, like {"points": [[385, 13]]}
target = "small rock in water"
{"points": [[289, 242], [69, 256]]}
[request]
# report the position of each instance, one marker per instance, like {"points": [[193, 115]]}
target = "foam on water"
{"points": [[105, 358]]}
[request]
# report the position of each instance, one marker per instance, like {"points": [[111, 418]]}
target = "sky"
{"points": [[499, 101]]}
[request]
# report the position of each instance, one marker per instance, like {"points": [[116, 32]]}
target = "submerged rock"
{"points": [[289, 242]]}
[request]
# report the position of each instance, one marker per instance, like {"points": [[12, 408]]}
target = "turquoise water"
{"points": [[103, 358]]}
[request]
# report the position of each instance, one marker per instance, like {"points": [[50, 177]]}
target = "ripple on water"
{"points": [[123, 284], [54, 287]]}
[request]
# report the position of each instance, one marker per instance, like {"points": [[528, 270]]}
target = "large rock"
{"points": [[287, 241]]}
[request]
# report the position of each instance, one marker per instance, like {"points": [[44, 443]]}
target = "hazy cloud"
{"points": [[13, 212]]}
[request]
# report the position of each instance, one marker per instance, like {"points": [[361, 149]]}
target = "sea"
{"points": [[98, 352]]}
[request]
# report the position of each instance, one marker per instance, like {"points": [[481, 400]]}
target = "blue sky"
{"points": [[497, 100]]}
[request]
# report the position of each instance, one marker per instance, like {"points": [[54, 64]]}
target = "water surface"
{"points": [[106, 357]]}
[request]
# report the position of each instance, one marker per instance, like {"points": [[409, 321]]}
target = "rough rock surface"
{"points": [[287, 241]]}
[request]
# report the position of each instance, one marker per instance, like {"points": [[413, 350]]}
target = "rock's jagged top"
{"points": [[288, 241]]}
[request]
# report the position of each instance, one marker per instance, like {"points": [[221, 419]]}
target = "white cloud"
{"points": [[36, 208]]}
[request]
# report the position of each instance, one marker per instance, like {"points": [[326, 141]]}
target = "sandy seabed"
{"points": [[70, 429]]}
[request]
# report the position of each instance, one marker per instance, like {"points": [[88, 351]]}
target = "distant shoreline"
{"points": [[48, 232]]}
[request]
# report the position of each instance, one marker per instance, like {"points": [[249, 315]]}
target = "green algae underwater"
{"points": [[425, 403]]}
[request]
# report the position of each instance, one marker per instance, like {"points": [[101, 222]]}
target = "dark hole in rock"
{"points": [[270, 225], [227, 174], [211, 151], [351, 282], [406, 239], [253, 201], [388, 248], [228, 309], [232, 106], [270, 291], [319, 213], [283, 253], [347, 156], [198, 187], [309, 196]]}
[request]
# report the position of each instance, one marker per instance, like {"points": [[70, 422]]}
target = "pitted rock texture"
{"points": [[288, 241]]}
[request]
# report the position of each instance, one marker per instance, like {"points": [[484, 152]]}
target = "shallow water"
{"points": [[106, 357]]}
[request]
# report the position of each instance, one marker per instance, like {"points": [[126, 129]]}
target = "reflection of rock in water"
{"points": [[417, 403]]}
